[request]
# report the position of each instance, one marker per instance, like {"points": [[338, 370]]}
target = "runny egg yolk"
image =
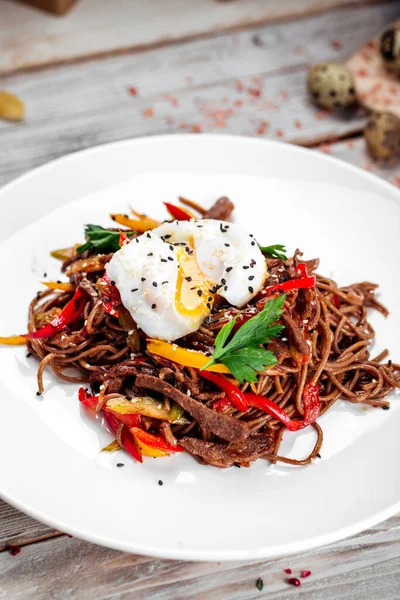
{"points": [[193, 297]]}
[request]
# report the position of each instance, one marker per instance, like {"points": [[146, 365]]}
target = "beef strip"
{"points": [[225, 455], [280, 349], [295, 335], [221, 210], [88, 287], [223, 426]]}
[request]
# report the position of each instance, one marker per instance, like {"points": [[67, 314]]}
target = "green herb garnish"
{"points": [[243, 354], [276, 251], [101, 240]]}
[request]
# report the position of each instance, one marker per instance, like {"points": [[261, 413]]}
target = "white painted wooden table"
{"points": [[103, 74]]}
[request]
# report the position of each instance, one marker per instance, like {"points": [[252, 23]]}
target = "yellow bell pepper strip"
{"points": [[146, 450], [70, 313], [154, 441], [146, 406], [145, 218], [111, 447], [64, 253], [13, 340], [65, 286], [139, 225], [178, 213], [182, 356]]}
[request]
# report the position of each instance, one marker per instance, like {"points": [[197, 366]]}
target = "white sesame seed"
{"points": [[188, 393], [130, 332]]}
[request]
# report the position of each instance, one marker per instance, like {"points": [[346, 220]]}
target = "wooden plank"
{"points": [[239, 83], [366, 566], [17, 529], [29, 38]]}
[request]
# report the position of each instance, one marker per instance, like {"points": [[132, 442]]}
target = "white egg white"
{"points": [[145, 271]]}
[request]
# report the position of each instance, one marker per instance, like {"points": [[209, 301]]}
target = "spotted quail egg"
{"points": [[331, 85], [382, 135], [390, 48]]}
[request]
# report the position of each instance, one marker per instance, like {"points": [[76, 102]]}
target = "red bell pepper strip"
{"points": [[222, 404], [70, 313], [154, 441], [311, 406], [87, 399], [127, 438], [301, 269], [110, 295], [178, 213], [123, 239], [292, 284], [234, 393], [336, 300], [130, 419]]}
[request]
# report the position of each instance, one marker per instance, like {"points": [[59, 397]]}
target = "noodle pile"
{"points": [[330, 321]]}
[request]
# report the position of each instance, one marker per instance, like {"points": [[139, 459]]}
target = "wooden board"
{"points": [[365, 567], [29, 38], [241, 83]]}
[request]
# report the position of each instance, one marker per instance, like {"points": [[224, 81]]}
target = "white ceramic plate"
{"points": [[51, 466]]}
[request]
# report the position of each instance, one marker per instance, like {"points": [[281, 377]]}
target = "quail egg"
{"points": [[390, 48], [382, 135], [331, 85]]}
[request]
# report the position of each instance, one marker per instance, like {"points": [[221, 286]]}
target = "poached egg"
{"points": [[168, 277]]}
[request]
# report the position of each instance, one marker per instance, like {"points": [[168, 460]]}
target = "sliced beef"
{"points": [[221, 210], [312, 265], [223, 426], [294, 333], [280, 349], [225, 455], [89, 287]]}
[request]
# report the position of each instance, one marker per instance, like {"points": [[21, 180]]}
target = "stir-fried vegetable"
{"points": [[146, 406], [64, 253], [139, 225], [65, 286], [89, 265], [111, 447], [234, 393], [182, 356], [153, 441], [70, 313], [13, 340], [176, 212]]}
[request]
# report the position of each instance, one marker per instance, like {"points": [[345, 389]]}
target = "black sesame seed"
{"points": [[208, 354], [251, 235], [137, 240], [29, 354], [227, 245], [225, 288], [389, 363], [236, 465], [164, 282], [253, 262], [171, 248], [385, 407], [228, 269], [38, 393], [112, 282], [170, 258], [210, 298], [199, 225], [150, 254], [148, 235], [44, 274], [223, 281], [160, 482], [188, 279], [251, 277], [187, 249], [251, 289], [143, 279], [252, 243], [318, 455], [208, 305], [134, 290], [199, 293], [246, 267], [163, 260], [58, 280], [155, 283], [153, 306], [120, 465], [166, 237]]}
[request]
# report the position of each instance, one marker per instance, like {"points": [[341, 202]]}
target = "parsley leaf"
{"points": [[276, 251], [101, 240], [243, 354]]}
